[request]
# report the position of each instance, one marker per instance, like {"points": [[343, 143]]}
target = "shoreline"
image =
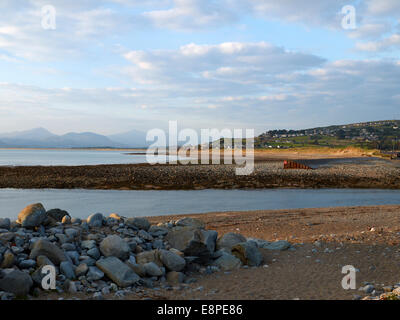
{"points": [[369, 173]]}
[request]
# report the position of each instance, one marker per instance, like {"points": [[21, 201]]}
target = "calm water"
{"points": [[81, 203], [67, 157]]}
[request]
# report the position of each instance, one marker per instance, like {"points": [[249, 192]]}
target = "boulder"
{"points": [[67, 269], [94, 274], [48, 249], [153, 270], [229, 240], [57, 214], [172, 261], [157, 231], [279, 245], [115, 246], [118, 271], [190, 222], [140, 223], [149, 256], [32, 216], [8, 260], [95, 220], [66, 219], [227, 262], [5, 223], [15, 281], [81, 270], [248, 254], [88, 244], [193, 242]]}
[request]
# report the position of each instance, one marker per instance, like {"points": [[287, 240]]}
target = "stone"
{"points": [[149, 256], [76, 221], [15, 281], [88, 244], [81, 270], [68, 247], [140, 223], [118, 271], [153, 270], [227, 262], [27, 264], [368, 288], [193, 242], [174, 278], [71, 233], [229, 240], [115, 216], [279, 245], [43, 261], [48, 249], [94, 253], [5, 223], [57, 214], [95, 220], [66, 219], [137, 268], [115, 246], [172, 261], [248, 254], [94, 274], [8, 260], [157, 231], [67, 269], [190, 222], [32, 216]]}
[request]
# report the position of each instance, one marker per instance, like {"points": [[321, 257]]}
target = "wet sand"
{"points": [[312, 270]]}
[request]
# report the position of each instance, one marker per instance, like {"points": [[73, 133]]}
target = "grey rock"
{"points": [[71, 233], [68, 247], [88, 244], [248, 254], [193, 242], [94, 253], [81, 270], [15, 281], [145, 235], [229, 240], [172, 261], [26, 264], [43, 261], [139, 223], [57, 214], [118, 271], [115, 246], [32, 216], [279, 245], [190, 222], [94, 274], [153, 270], [157, 231], [227, 262], [5, 223], [67, 269], [95, 220], [48, 249]]}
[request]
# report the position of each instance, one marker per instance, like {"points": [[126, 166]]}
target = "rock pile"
{"points": [[102, 254]]}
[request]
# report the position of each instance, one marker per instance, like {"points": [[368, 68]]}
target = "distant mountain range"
{"points": [[42, 138]]}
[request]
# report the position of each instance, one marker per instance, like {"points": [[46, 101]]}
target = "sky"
{"points": [[111, 66]]}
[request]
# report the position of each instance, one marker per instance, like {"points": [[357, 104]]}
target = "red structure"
{"points": [[287, 164]]}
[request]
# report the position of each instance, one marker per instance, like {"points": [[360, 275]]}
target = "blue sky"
{"points": [[114, 65]]}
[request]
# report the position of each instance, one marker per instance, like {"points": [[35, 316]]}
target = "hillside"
{"points": [[383, 135]]}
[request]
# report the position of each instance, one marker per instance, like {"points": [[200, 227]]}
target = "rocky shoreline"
{"points": [[267, 174], [110, 257]]}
